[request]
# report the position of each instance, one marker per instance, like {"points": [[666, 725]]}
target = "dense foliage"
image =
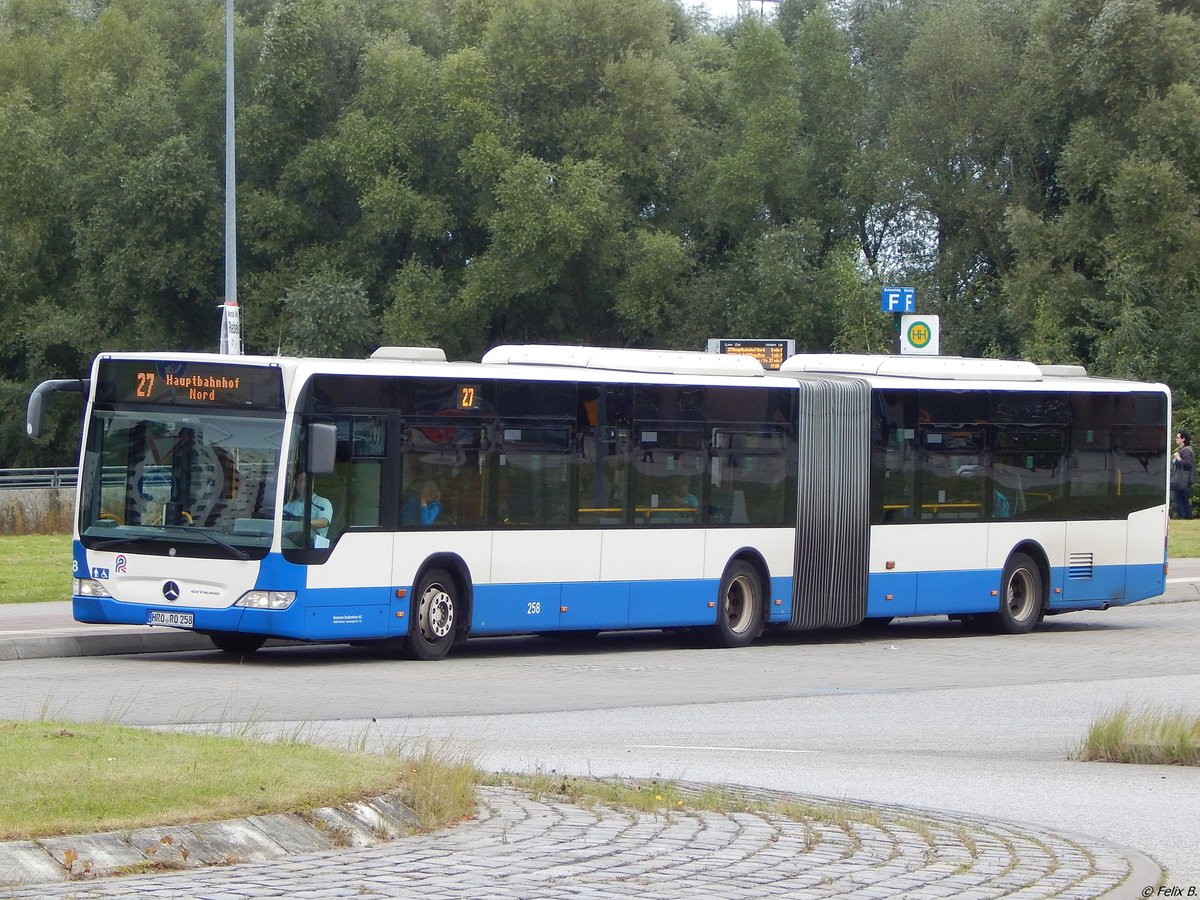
{"points": [[466, 172]]}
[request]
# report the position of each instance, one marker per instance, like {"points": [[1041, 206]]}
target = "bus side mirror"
{"points": [[35, 413], [322, 448]]}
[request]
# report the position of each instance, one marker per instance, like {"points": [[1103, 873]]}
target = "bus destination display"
{"points": [[190, 384], [769, 352]]}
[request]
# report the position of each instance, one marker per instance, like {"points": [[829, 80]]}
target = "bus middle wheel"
{"points": [[739, 608], [434, 617]]}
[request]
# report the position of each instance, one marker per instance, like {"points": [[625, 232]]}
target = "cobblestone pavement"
{"points": [[521, 847]]}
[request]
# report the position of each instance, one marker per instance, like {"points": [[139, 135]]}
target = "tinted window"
{"points": [[1016, 454]]}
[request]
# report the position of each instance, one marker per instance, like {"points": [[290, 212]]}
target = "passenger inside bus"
{"points": [[423, 505], [680, 496]]}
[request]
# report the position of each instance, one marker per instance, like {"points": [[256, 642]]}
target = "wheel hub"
{"points": [[437, 613], [738, 610]]}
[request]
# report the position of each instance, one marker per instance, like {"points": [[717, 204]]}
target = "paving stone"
{"points": [[394, 809], [88, 855], [292, 833], [520, 847], [238, 841], [343, 829], [25, 862], [174, 846]]}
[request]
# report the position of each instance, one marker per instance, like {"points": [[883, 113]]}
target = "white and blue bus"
{"points": [[417, 502]]}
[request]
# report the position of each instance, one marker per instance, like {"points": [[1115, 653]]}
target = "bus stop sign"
{"points": [[899, 300], [919, 335]]}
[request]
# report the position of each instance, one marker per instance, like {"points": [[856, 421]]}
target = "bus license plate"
{"points": [[174, 619]]}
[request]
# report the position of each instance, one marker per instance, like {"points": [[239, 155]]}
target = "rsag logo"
{"points": [[120, 563]]}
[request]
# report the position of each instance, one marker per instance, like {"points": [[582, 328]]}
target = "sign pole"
{"points": [[231, 325], [897, 301]]}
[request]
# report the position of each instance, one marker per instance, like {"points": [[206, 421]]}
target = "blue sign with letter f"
{"points": [[899, 300]]}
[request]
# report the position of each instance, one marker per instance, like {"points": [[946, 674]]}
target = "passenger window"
{"points": [[603, 455], [444, 474], [534, 475], [668, 476], [751, 478], [954, 475]]}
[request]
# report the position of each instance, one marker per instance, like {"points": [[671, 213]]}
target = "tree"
{"points": [[327, 314]]}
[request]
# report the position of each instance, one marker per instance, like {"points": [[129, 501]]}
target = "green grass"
{"points": [[67, 778], [1183, 538], [1149, 735], [35, 568]]}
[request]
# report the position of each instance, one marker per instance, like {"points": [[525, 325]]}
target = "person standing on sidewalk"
{"points": [[1183, 474]]}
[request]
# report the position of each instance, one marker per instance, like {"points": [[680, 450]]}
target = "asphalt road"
{"points": [[920, 713]]}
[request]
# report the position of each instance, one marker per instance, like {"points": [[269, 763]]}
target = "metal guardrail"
{"points": [[53, 477]]}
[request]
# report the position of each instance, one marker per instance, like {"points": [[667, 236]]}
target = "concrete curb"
{"points": [[1144, 873], [50, 646], [252, 839]]}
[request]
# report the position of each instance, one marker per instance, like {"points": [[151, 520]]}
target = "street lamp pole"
{"points": [[231, 320]]}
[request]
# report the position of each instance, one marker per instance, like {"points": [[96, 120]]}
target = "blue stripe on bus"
{"points": [[931, 593], [107, 611], [781, 590], [1116, 585], [342, 614], [508, 608], [277, 574], [1144, 581], [970, 591]]}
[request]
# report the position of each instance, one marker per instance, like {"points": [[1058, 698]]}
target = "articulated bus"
{"points": [[415, 502]]}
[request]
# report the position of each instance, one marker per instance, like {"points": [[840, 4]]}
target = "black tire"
{"points": [[236, 643], [434, 620], [1022, 597], [739, 608]]}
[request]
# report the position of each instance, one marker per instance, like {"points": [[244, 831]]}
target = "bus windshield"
{"points": [[180, 481]]}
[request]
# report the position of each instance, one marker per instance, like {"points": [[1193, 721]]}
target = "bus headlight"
{"points": [[89, 587], [266, 599]]}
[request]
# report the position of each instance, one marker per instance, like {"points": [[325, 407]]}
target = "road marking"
{"points": [[722, 749]]}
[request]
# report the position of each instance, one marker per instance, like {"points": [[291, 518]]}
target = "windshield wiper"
{"points": [[219, 541], [152, 539]]}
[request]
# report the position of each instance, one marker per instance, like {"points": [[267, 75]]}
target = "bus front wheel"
{"points": [[235, 643], [739, 608], [1021, 597], [435, 617]]}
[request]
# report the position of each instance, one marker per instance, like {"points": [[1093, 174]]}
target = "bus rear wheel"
{"points": [[233, 642], [739, 608], [1021, 597], [434, 617]]}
